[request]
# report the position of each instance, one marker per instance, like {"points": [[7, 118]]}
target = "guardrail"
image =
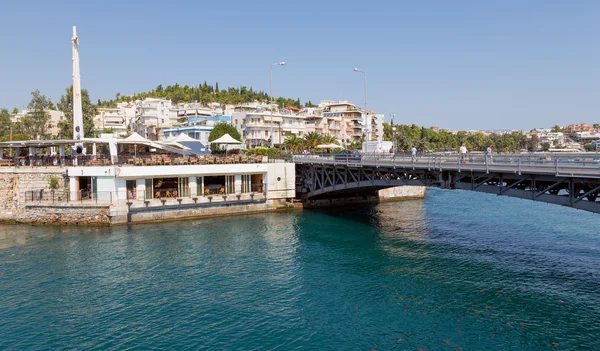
{"points": [[585, 165], [584, 160], [85, 196]]}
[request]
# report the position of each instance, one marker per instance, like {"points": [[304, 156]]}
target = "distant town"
{"points": [[164, 114]]}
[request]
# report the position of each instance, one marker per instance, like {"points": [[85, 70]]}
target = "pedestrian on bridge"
{"points": [[413, 153], [463, 153], [488, 154]]}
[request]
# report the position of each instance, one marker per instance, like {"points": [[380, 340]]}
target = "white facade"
{"points": [[52, 126], [266, 128], [110, 183], [152, 115]]}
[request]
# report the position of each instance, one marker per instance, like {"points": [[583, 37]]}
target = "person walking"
{"points": [[488, 154], [16, 200], [413, 153], [463, 153]]}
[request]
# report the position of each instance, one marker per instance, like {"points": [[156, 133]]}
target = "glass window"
{"points": [[246, 184], [199, 186], [230, 184], [149, 189], [183, 186]]}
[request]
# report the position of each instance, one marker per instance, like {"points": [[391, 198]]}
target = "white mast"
{"points": [[77, 110]]}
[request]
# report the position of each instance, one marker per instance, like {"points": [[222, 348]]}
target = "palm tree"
{"points": [[329, 139], [312, 139], [293, 142]]}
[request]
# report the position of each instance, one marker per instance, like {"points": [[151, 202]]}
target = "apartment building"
{"points": [[52, 125], [264, 128]]}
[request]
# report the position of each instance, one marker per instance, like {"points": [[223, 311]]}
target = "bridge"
{"points": [[570, 180]]}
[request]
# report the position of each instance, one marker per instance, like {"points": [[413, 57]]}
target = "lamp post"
{"points": [[365, 88], [282, 63], [392, 115]]}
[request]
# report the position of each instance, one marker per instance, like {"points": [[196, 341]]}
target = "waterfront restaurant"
{"points": [[154, 172]]}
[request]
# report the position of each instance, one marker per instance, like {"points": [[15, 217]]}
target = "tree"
{"points": [[5, 122], [546, 146], [556, 129], [66, 106], [36, 122], [533, 142], [293, 142], [329, 139], [219, 130], [312, 139], [15, 111]]}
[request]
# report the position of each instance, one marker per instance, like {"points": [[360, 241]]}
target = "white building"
{"points": [[552, 138], [264, 128], [152, 115], [52, 125]]}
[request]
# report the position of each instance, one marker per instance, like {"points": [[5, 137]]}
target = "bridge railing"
{"points": [[583, 160]]}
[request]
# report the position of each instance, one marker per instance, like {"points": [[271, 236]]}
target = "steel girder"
{"points": [[323, 180]]}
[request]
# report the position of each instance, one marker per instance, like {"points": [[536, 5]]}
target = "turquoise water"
{"points": [[457, 271]]}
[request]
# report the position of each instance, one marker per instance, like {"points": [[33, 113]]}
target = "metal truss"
{"points": [[318, 180]]}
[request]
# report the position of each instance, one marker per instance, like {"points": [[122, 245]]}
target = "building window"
{"points": [[149, 189], [230, 184], [183, 185], [246, 184], [199, 186]]}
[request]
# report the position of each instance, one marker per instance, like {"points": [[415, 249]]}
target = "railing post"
{"points": [[556, 166], [487, 169], [519, 166]]}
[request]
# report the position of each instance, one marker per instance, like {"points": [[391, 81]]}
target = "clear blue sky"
{"points": [[454, 64]]}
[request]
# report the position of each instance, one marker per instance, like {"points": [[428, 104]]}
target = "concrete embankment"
{"points": [[399, 193]]}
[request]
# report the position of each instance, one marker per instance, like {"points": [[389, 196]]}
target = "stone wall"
{"points": [[20, 181], [64, 215]]}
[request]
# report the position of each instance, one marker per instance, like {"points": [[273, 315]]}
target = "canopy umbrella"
{"points": [[226, 139], [328, 146], [135, 139]]}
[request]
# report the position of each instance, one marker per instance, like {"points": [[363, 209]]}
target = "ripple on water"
{"points": [[456, 270]]}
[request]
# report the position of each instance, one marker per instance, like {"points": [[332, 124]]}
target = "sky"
{"points": [[457, 64]]}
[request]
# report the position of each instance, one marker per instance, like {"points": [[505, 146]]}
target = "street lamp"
{"points": [[394, 138], [282, 63], [365, 88]]}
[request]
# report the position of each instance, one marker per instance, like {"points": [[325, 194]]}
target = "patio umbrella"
{"points": [[328, 146], [226, 139], [135, 139]]}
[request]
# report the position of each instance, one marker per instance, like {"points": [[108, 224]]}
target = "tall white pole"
{"points": [[77, 109]]}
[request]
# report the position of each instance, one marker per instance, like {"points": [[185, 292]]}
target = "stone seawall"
{"points": [[22, 181], [64, 215]]}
